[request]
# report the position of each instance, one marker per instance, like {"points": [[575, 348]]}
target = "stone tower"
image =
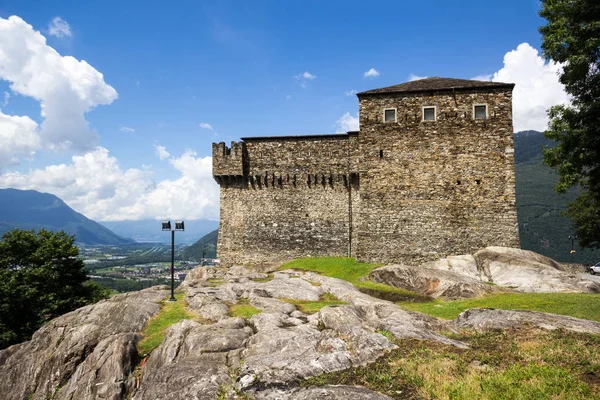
{"points": [[430, 173]]}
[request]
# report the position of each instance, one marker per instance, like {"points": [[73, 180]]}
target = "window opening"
{"points": [[389, 115], [428, 113]]}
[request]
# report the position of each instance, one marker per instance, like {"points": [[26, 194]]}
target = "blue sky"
{"points": [[176, 76]]}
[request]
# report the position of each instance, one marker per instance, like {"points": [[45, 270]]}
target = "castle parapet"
{"points": [[228, 161]]}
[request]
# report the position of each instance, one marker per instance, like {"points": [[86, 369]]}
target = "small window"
{"points": [[389, 115], [480, 111], [428, 113]]}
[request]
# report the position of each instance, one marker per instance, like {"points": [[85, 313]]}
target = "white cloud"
{"points": [[96, 186], [204, 125], [127, 129], [6, 98], [59, 28], [372, 73], [346, 123], [18, 138], [65, 87], [413, 77], [536, 87], [485, 77], [304, 77], [351, 92], [162, 152]]}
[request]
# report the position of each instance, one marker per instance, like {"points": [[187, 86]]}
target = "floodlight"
{"points": [[166, 225], [179, 226]]}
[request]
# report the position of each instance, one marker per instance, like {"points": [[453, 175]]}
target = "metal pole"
{"points": [[172, 266]]}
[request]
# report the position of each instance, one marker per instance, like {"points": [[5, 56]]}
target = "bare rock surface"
{"points": [[486, 318], [431, 282], [330, 392], [471, 275], [85, 354], [92, 353]]}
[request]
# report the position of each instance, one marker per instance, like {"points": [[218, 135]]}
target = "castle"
{"points": [[429, 173]]}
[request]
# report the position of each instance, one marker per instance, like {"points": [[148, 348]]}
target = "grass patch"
{"points": [[155, 331], [312, 307], [350, 270], [267, 279], [513, 364], [579, 305], [243, 309]]}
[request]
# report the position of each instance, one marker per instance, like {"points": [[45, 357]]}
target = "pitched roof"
{"points": [[438, 84]]}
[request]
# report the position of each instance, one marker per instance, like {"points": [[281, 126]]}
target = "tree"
{"points": [[572, 38], [40, 278]]}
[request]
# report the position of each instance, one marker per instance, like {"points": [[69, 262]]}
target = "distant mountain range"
{"points": [[149, 230], [29, 209]]}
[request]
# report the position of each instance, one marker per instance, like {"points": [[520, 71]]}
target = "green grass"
{"points": [[350, 270], [243, 309], [312, 307], [512, 364], [155, 331], [579, 305]]}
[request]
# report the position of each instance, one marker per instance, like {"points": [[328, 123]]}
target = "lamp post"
{"points": [[179, 226], [572, 237]]}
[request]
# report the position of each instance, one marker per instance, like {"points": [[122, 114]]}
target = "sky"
{"points": [[113, 105]]}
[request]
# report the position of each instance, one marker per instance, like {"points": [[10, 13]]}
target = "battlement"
{"points": [[228, 161]]}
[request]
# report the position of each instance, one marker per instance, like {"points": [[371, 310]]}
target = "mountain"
{"points": [[208, 244], [542, 227], [149, 230], [29, 209]]}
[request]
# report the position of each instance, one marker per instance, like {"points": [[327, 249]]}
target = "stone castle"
{"points": [[429, 173]]}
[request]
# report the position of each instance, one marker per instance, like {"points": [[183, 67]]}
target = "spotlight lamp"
{"points": [[179, 226], [166, 225]]}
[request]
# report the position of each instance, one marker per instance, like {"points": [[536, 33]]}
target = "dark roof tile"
{"points": [[438, 84]]}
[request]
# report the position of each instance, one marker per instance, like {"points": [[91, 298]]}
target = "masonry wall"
{"points": [[292, 201], [441, 188]]}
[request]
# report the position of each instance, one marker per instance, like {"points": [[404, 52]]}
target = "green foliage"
{"points": [[514, 364], [579, 305], [40, 279], [312, 307], [155, 331], [572, 37], [207, 243], [122, 285], [243, 309], [350, 270]]}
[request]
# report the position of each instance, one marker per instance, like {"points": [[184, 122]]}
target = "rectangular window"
{"points": [[389, 115], [428, 113], [480, 111]]}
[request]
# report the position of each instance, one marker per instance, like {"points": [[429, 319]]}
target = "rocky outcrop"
{"points": [[86, 354], [431, 282], [481, 319], [91, 353], [487, 271]]}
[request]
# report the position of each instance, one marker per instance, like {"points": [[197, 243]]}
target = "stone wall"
{"points": [[434, 188], [292, 202]]}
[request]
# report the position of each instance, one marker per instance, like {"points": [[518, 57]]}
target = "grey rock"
{"points": [[330, 392], [482, 319], [80, 355], [431, 282]]}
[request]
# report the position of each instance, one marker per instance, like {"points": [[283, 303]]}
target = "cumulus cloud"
{"points": [[204, 125], [536, 86], [304, 77], [347, 123], [372, 73], [59, 28], [127, 129], [65, 87], [351, 92], [6, 98], [18, 138], [95, 185], [161, 152], [413, 77]]}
